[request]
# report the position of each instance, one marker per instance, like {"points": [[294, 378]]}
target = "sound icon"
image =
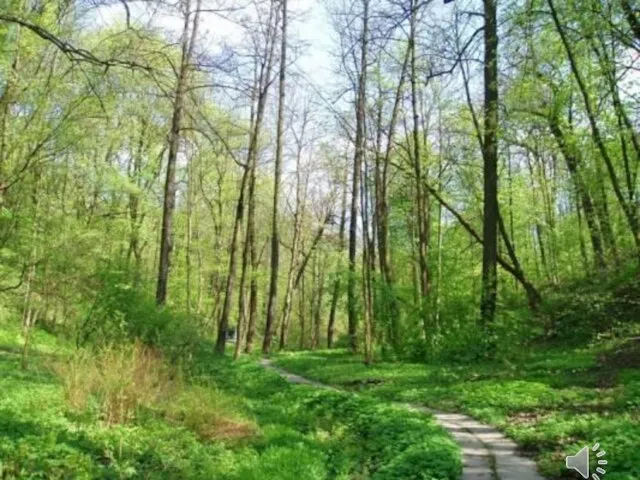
{"points": [[580, 462]]}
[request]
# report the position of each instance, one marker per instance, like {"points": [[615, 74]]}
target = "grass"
{"points": [[225, 420], [552, 403]]}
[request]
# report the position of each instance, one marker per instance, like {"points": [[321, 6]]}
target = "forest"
{"points": [[288, 239]]}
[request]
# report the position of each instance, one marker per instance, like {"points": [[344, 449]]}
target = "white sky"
{"points": [[310, 26]]}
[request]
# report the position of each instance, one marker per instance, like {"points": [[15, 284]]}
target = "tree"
{"points": [[357, 167], [490, 169], [275, 237], [188, 40]]}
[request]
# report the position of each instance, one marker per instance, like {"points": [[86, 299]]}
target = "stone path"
{"points": [[486, 453]]}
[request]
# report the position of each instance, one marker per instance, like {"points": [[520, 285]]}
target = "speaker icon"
{"points": [[580, 462]]}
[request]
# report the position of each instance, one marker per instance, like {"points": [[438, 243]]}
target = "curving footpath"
{"points": [[486, 453]]}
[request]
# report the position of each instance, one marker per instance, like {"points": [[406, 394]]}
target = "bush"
{"points": [[603, 305], [426, 461], [117, 380], [123, 313]]}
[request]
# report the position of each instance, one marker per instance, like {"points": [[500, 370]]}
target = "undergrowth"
{"points": [[127, 412], [553, 402]]}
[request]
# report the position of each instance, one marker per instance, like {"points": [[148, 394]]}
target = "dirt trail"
{"points": [[486, 453]]}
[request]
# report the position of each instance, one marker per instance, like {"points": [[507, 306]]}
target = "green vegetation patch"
{"points": [[553, 403], [220, 420]]}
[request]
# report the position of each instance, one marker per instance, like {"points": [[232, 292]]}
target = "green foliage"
{"points": [[225, 420], [552, 401], [420, 462], [603, 305], [122, 312], [286, 463]]}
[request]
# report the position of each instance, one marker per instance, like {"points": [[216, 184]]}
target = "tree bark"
{"points": [[490, 158], [422, 205], [355, 192], [263, 81], [336, 284], [223, 324], [275, 236], [166, 237]]}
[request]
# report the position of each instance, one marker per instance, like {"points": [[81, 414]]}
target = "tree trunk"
{"points": [[275, 237], [490, 158], [166, 237], [223, 324], [422, 205], [242, 310], [355, 191], [336, 284], [389, 301], [255, 263], [263, 81]]}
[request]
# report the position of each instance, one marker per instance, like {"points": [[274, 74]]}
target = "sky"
{"points": [[309, 23]]}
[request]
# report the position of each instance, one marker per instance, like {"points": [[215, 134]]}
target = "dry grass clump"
{"points": [[121, 379]]}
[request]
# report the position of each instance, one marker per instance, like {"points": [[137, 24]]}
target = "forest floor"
{"points": [[222, 420], [552, 403], [487, 454]]}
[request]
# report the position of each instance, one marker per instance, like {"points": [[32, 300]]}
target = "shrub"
{"points": [[119, 379], [123, 313], [425, 461]]}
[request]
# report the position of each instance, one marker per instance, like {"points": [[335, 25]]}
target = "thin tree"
{"points": [[189, 36], [275, 236], [263, 82], [352, 307]]}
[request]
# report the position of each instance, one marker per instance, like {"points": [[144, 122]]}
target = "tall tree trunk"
{"points": [[135, 218], [601, 203], [302, 315], [355, 191], [253, 257], [275, 236], [421, 200], [297, 227], [318, 298], [368, 266], [490, 157], [583, 246], [538, 227], [263, 81], [439, 270], [189, 234], [389, 301], [242, 308], [335, 294], [223, 324], [189, 36]]}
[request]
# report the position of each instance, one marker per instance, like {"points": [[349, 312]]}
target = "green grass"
{"points": [[298, 433], [552, 403]]}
